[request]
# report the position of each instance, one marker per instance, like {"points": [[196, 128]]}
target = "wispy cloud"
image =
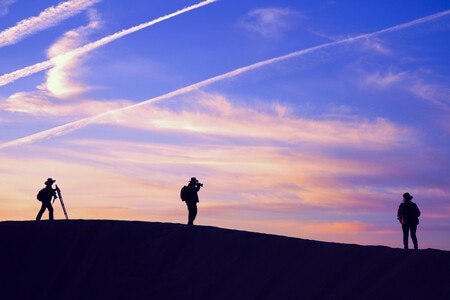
{"points": [[61, 80], [46, 19], [11, 77], [269, 22], [376, 45], [379, 80], [214, 114], [4, 6], [416, 82], [435, 94]]}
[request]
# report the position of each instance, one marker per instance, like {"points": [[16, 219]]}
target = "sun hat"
{"points": [[49, 181], [407, 196]]}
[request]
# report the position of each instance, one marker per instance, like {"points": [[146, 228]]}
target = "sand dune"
{"points": [[99, 259]]}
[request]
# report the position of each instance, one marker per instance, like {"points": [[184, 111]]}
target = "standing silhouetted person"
{"points": [[189, 195], [46, 195], [408, 214]]}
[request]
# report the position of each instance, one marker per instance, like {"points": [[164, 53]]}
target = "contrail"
{"points": [[47, 18], [72, 126], [13, 76]]}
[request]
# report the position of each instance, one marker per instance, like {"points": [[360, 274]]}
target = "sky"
{"points": [[307, 119]]}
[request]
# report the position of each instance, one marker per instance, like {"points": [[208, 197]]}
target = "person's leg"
{"points": [[194, 212], [189, 213], [413, 236], [41, 211], [405, 229], [192, 207]]}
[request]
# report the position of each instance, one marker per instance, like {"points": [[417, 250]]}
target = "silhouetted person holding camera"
{"points": [[46, 195], [408, 214], [189, 195]]}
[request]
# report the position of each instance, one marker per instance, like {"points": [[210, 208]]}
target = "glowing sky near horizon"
{"points": [[306, 119]]}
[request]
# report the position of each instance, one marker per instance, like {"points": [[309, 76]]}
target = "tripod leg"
{"points": [[62, 202]]}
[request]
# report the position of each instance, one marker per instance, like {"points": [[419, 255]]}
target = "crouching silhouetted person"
{"points": [[46, 195], [189, 194], [408, 214]]}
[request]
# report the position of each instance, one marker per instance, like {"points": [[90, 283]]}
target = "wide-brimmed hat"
{"points": [[49, 181], [407, 196], [193, 179]]}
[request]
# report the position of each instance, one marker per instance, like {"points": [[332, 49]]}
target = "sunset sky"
{"points": [[302, 118]]}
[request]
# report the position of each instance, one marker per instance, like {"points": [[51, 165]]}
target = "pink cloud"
{"points": [[215, 115], [40, 103]]}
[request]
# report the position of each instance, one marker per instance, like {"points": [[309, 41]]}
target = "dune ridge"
{"points": [[106, 259]]}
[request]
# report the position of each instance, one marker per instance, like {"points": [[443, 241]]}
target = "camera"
{"points": [[200, 184]]}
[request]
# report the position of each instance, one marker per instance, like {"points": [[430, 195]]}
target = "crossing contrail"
{"points": [[72, 126], [13, 76]]}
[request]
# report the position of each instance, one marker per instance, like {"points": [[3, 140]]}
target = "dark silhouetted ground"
{"points": [[101, 259]]}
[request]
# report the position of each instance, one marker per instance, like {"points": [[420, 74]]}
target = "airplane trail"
{"points": [[13, 76], [72, 126], [49, 17]]}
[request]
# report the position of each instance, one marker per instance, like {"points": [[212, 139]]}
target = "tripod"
{"points": [[62, 202]]}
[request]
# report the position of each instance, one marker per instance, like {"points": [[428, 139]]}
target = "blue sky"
{"points": [[307, 119]]}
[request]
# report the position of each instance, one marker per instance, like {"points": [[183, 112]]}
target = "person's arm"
{"points": [[400, 214]]}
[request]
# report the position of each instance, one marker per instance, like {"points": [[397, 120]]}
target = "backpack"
{"points": [[184, 193], [40, 196]]}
